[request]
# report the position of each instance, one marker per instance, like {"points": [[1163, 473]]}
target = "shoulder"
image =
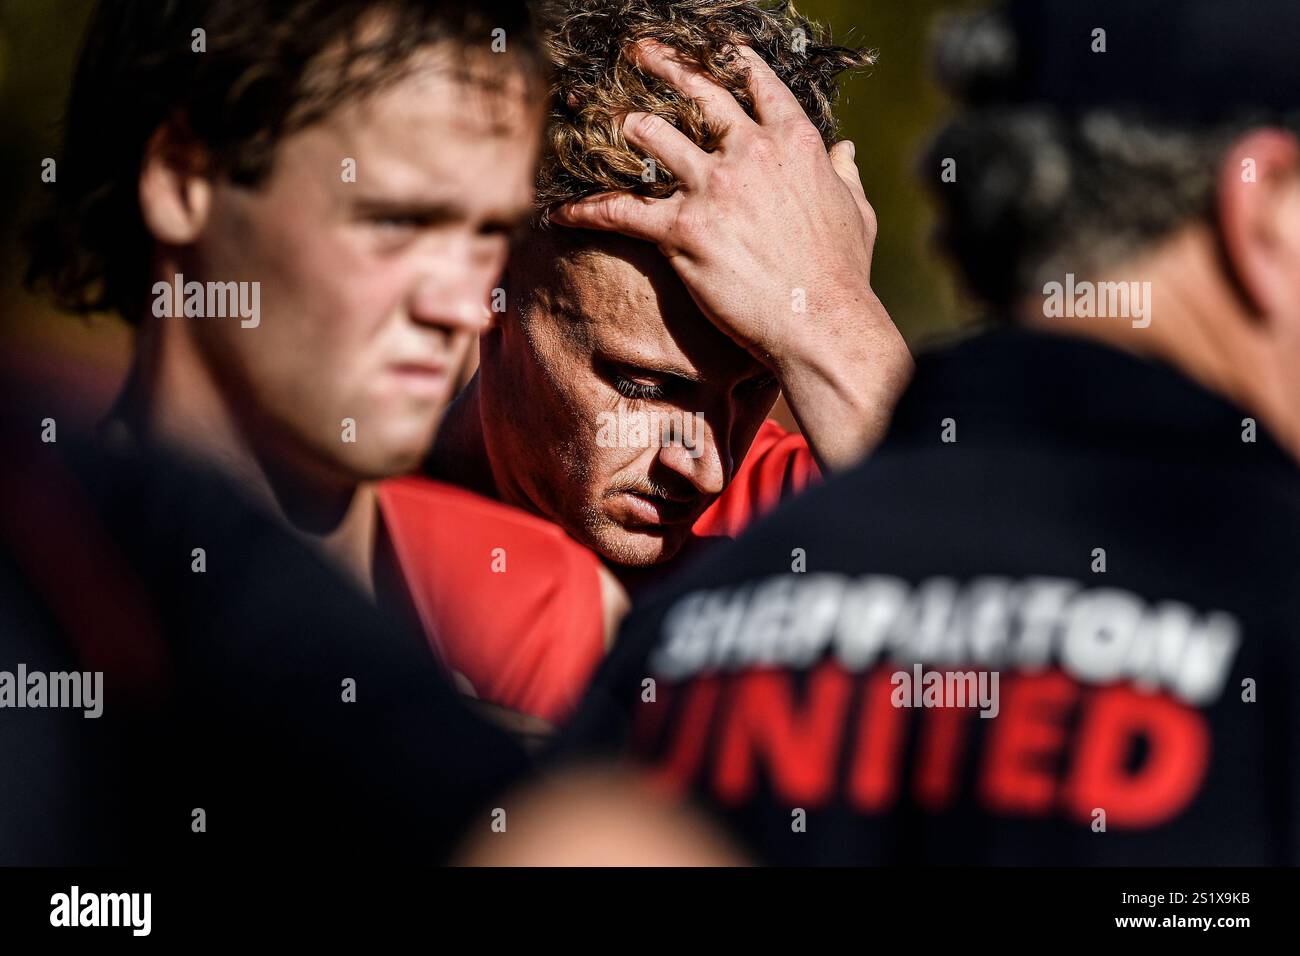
{"points": [[507, 598], [420, 500], [448, 532]]}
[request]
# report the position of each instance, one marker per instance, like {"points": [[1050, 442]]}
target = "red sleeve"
{"points": [[505, 598], [779, 464]]}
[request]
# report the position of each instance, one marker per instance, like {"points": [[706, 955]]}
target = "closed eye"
{"points": [[759, 384], [399, 222], [637, 391]]}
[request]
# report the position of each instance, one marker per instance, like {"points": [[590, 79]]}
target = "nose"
{"points": [[452, 291], [696, 455]]}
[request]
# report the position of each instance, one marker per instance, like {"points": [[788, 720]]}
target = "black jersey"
{"points": [[1052, 620], [253, 705]]}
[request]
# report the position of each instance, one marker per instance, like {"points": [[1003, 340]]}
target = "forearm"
{"points": [[842, 382]]}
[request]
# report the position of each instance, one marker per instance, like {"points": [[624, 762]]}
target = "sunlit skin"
{"points": [[372, 291], [611, 329], [753, 279]]}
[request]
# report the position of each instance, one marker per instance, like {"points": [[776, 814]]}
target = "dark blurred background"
{"points": [[888, 113]]}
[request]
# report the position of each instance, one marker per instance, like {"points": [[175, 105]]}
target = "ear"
{"points": [[175, 189], [1257, 195]]}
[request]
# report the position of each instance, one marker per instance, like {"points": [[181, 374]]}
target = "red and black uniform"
{"points": [[508, 600]]}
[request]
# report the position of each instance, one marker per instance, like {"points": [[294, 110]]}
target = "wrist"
{"points": [[850, 346]]}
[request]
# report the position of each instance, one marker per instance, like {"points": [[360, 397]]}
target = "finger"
{"points": [[717, 103], [773, 102], [841, 155], [668, 145], [640, 217]]}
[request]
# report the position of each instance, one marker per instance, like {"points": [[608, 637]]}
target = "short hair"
{"points": [[594, 85], [268, 68], [1040, 192]]}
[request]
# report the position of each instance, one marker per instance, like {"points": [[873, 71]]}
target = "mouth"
{"points": [[635, 509], [431, 379]]}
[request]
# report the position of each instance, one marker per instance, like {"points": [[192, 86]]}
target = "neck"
{"points": [[172, 399], [1199, 326], [459, 455]]}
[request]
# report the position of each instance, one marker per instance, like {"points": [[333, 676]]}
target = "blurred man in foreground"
{"points": [[249, 704], [305, 210], [1053, 620]]}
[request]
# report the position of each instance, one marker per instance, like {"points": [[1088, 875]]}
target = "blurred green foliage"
{"points": [[890, 113], [39, 40]]}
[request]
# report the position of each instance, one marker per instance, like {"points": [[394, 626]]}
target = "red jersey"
{"points": [[511, 602], [779, 464], [505, 598]]}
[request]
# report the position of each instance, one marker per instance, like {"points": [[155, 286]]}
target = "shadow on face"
{"points": [[611, 404], [377, 240]]}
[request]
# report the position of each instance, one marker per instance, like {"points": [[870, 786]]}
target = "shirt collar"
{"points": [[1014, 384]]}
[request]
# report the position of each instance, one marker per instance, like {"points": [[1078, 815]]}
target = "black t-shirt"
{"points": [[242, 678], [1052, 620]]}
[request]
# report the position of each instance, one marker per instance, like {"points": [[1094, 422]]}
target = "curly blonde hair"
{"points": [[595, 85]]}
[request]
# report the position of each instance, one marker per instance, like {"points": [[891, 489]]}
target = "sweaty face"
{"points": [[377, 240], [610, 404]]}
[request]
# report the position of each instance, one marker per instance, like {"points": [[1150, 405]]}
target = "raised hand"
{"points": [[773, 237]]}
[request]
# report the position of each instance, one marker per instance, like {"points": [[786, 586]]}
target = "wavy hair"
{"points": [[594, 85]]}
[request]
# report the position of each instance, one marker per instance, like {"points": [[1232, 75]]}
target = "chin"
{"points": [[387, 462], [637, 548], [397, 452]]}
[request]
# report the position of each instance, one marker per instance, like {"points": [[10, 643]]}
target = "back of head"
{"points": [[1087, 134]]}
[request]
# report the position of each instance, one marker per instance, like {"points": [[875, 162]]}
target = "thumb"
{"points": [[640, 217], [841, 156]]}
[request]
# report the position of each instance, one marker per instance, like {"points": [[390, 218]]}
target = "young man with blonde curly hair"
{"points": [[698, 251], [701, 252]]}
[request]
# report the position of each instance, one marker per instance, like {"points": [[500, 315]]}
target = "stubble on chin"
{"points": [[616, 544]]}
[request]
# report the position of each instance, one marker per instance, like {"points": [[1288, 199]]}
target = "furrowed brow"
{"points": [[439, 212], [415, 208]]}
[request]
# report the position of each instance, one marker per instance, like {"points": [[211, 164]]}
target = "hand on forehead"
{"points": [[620, 297]]}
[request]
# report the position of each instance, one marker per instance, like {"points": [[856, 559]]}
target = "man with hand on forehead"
{"points": [[705, 252]]}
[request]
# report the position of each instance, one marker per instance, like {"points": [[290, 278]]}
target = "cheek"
{"points": [[578, 407], [320, 285], [330, 305]]}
